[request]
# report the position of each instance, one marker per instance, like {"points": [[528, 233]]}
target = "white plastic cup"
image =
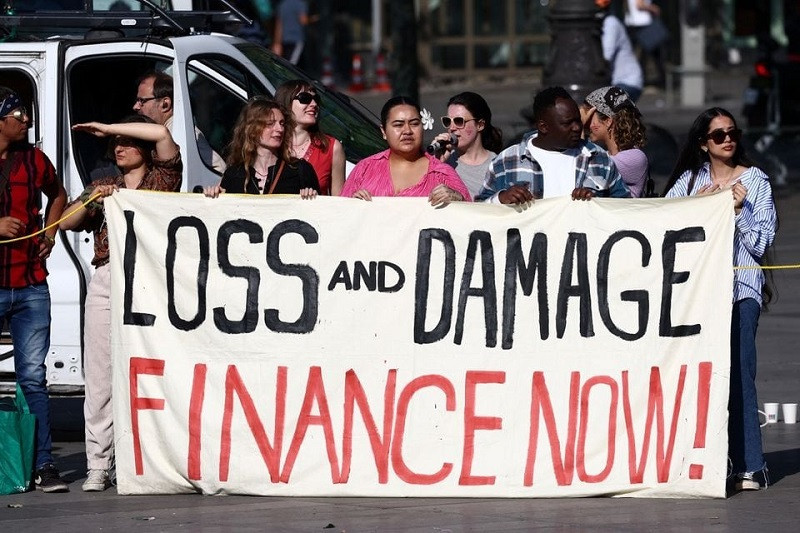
{"points": [[789, 413], [771, 410]]}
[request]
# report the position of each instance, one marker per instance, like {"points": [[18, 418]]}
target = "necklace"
{"points": [[300, 149], [723, 181]]}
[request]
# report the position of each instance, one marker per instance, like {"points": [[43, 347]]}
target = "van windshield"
{"points": [[340, 117]]}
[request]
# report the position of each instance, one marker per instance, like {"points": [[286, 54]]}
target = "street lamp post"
{"points": [[576, 60]]}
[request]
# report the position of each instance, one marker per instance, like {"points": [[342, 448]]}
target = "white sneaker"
{"points": [[745, 481], [96, 481]]}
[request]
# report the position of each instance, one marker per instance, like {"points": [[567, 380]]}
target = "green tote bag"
{"points": [[17, 436]]}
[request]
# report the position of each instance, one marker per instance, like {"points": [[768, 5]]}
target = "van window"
{"points": [[103, 90], [218, 89]]}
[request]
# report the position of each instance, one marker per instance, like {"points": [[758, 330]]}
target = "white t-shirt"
{"points": [[636, 17], [558, 169]]}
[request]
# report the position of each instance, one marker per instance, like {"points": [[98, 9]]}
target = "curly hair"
{"points": [[627, 129], [285, 95], [254, 117]]}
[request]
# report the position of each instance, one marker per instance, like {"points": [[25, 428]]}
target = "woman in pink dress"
{"points": [[404, 169], [322, 151]]}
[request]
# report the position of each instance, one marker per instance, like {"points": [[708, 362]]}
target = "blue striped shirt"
{"points": [[516, 165], [755, 227]]}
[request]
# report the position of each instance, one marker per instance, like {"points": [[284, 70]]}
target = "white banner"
{"points": [[338, 347]]}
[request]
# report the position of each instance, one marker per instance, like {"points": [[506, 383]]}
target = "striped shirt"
{"points": [[516, 165], [755, 226], [374, 174]]}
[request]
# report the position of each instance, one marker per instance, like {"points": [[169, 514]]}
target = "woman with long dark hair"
{"points": [[324, 152], [404, 169], [259, 156], [469, 123], [714, 159]]}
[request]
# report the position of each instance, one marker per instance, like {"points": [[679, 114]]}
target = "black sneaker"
{"points": [[47, 479]]}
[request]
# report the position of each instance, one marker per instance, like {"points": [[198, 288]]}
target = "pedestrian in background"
{"points": [[643, 19], [322, 151], [714, 159], [614, 122], [469, 123], [25, 174], [626, 73], [290, 29], [149, 160]]}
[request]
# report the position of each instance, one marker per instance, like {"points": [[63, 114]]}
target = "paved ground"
{"points": [[775, 509]]}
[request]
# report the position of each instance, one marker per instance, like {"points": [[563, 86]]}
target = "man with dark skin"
{"points": [[552, 160]]}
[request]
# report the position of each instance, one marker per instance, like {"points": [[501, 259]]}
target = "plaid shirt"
{"points": [[515, 165]]}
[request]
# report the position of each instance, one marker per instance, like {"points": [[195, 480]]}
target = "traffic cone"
{"points": [[356, 75], [381, 76], [327, 73]]}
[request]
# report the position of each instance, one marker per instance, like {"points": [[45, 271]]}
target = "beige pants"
{"points": [[97, 372]]}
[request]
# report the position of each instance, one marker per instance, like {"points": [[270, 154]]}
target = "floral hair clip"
{"points": [[427, 119]]}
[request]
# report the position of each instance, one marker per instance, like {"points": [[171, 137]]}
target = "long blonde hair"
{"points": [[254, 117]]}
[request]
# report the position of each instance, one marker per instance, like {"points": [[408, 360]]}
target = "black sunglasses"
{"points": [[719, 136], [306, 97], [459, 122]]}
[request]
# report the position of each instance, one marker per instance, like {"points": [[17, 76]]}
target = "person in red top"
{"points": [[25, 174], [322, 151], [149, 159]]}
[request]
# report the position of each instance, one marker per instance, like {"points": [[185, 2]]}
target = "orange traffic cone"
{"points": [[327, 73], [356, 75], [381, 76]]}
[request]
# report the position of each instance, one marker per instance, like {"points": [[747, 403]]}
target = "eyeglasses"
{"points": [[20, 114], [306, 97], [719, 136], [458, 122], [142, 101]]}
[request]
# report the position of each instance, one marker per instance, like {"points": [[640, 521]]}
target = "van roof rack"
{"points": [[152, 18]]}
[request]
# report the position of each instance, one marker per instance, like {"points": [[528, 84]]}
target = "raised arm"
{"points": [[165, 145]]}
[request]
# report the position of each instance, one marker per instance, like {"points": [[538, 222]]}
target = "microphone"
{"points": [[438, 146]]}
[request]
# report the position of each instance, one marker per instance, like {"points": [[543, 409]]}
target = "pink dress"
{"points": [[374, 175], [322, 161]]}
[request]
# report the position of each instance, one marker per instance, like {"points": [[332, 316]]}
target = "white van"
{"points": [[90, 73]]}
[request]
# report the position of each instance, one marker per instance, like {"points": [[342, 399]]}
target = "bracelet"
{"points": [[51, 240], [84, 197]]}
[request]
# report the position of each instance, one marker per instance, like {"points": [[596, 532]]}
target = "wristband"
{"points": [[51, 240]]}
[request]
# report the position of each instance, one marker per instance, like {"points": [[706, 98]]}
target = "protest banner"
{"points": [[274, 346]]}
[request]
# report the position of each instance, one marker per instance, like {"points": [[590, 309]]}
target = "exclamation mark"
{"points": [[703, 390]]}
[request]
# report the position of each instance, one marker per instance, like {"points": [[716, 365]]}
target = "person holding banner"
{"points": [[260, 155], [405, 169], [553, 160], [323, 152], [713, 159], [471, 141], [149, 159]]}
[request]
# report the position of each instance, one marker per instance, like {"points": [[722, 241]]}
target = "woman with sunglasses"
{"points": [[713, 159], [324, 152], [477, 141], [404, 169], [259, 155]]}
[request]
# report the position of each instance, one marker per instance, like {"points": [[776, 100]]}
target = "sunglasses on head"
{"points": [[306, 97], [20, 114], [458, 122], [719, 136]]}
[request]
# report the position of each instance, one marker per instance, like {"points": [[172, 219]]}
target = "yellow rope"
{"points": [[54, 224], [766, 267]]}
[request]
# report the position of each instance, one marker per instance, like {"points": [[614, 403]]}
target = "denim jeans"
{"points": [[27, 310], [744, 429]]}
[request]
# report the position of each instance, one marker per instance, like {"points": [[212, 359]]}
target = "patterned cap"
{"points": [[610, 100]]}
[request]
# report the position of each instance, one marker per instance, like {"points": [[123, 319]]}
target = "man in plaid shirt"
{"points": [[552, 160]]}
